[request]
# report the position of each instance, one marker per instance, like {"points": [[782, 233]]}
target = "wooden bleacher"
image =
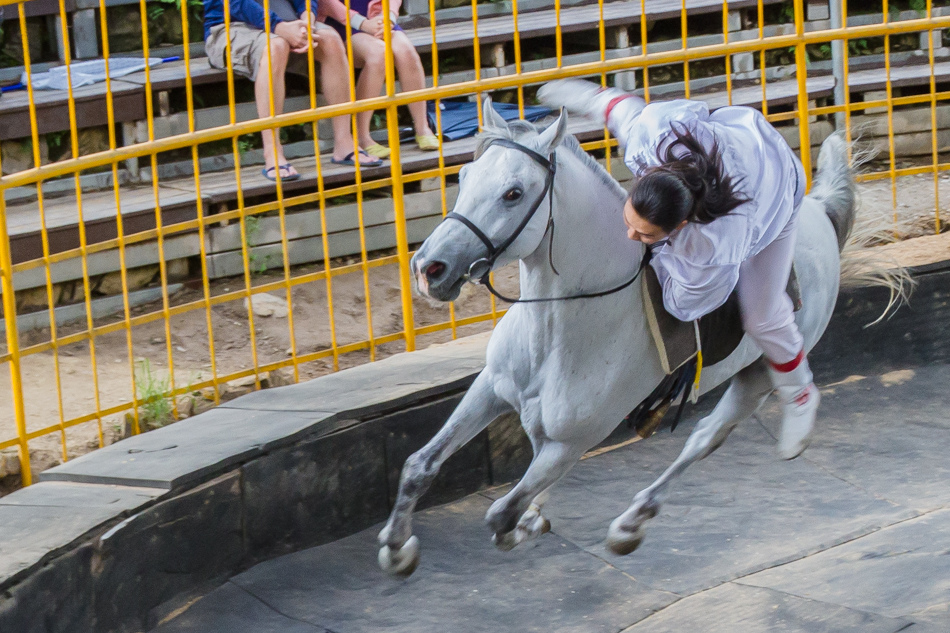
{"points": [[177, 197], [179, 202], [129, 91]]}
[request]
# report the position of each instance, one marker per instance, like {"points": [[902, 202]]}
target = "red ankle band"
{"points": [[790, 365], [612, 104]]}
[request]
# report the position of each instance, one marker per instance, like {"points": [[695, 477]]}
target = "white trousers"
{"points": [[767, 312]]}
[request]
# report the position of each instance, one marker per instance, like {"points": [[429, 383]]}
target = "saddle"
{"points": [[681, 345]]}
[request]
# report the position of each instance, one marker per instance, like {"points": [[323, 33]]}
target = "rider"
{"points": [[716, 199]]}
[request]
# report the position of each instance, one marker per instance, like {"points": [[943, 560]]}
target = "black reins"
{"points": [[478, 271]]}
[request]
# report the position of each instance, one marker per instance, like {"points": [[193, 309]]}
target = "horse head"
{"points": [[497, 217]]}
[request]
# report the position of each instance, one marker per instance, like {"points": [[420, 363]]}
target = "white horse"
{"points": [[573, 369]]}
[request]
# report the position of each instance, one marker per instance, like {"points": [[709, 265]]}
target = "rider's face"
{"points": [[639, 229]]}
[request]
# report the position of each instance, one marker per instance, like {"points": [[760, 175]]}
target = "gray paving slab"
{"points": [[746, 542], [889, 435], [376, 387], [462, 584], [733, 608], [234, 610], [39, 520], [190, 450], [739, 511], [898, 571]]}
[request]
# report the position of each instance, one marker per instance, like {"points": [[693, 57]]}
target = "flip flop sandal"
{"points": [[349, 160], [428, 142], [377, 150], [267, 171]]}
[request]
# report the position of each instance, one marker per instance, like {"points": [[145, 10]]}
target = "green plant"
{"points": [[58, 144], [195, 8], [252, 226], [155, 405], [245, 144], [859, 47], [920, 6]]}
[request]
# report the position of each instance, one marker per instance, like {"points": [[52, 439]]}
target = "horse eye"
{"points": [[512, 194]]}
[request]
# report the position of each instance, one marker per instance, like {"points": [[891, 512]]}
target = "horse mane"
{"points": [[521, 131]]}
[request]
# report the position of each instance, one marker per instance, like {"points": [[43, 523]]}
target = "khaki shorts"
{"points": [[248, 46]]}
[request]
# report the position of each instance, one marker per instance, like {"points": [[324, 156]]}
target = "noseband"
{"points": [[478, 271]]}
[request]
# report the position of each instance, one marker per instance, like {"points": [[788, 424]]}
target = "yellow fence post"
{"points": [[692, 56], [13, 341], [801, 74], [399, 208]]}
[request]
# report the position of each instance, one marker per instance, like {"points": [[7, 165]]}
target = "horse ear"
{"points": [[552, 136], [490, 118]]}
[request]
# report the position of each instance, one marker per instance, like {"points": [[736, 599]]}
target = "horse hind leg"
{"points": [[745, 395]]}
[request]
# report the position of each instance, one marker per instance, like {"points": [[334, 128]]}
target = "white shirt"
{"points": [[698, 265]]}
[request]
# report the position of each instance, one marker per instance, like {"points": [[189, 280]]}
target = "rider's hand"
{"points": [[295, 33]]}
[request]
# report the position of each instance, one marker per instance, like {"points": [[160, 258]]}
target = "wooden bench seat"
{"points": [[130, 105], [52, 108], [542, 23], [179, 202]]}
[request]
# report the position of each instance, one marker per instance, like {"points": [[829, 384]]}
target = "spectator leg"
{"points": [[411, 77], [335, 81], [271, 78], [370, 54]]}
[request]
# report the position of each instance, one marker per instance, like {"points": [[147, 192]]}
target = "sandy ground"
{"points": [[85, 391], [191, 360]]}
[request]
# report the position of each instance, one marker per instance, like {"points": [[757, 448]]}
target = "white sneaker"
{"points": [[799, 398], [799, 409], [579, 97]]}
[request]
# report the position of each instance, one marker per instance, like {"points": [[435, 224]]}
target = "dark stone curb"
{"points": [[103, 541], [113, 540]]}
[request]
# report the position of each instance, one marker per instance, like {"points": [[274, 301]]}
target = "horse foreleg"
{"points": [[399, 549], [745, 395], [516, 517]]}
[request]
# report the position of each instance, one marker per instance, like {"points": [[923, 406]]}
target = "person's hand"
{"points": [[295, 33], [373, 26], [313, 23]]}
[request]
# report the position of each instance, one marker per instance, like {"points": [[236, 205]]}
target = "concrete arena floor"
{"points": [[853, 536]]}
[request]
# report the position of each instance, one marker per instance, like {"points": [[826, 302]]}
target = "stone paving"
{"points": [[853, 536]]}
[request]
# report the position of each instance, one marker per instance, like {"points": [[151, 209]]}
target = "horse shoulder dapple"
{"points": [[573, 368]]}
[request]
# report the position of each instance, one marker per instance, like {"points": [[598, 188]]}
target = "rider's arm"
{"points": [[699, 267]]}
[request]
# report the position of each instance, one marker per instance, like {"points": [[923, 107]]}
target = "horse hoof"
{"points": [[622, 541], [403, 561], [505, 542]]}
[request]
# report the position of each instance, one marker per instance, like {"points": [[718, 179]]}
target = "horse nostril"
{"points": [[435, 270]]}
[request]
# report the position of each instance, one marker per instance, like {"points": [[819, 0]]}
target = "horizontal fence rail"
{"points": [[150, 271]]}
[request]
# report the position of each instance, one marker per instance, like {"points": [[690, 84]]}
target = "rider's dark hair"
{"points": [[690, 184]]}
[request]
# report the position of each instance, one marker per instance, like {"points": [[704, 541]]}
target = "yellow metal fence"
{"points": [[35, 362]]}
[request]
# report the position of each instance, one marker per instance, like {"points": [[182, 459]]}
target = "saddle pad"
{"points": [[718, 333]]}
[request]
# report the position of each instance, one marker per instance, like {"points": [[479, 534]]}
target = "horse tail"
{"points": [[834, 186], [861, 264]]}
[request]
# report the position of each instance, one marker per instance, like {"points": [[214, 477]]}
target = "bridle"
{"points": [[478, 271]]}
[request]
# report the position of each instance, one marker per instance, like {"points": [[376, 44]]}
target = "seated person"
{"points": [[366, 24], [288, 46]]}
